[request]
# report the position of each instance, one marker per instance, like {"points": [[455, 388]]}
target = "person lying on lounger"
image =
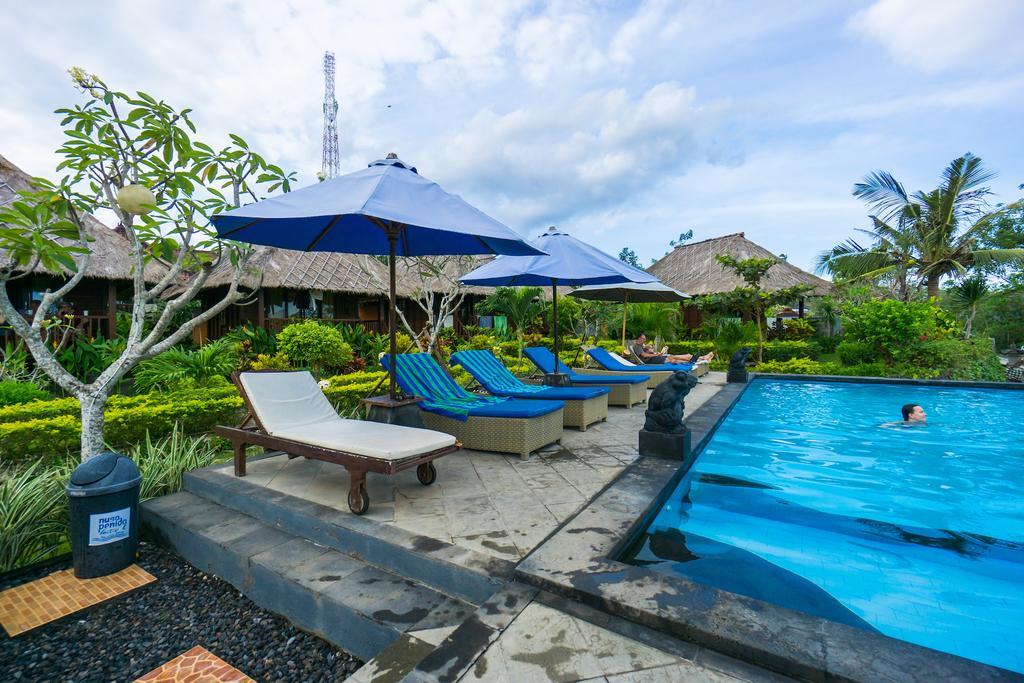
{"points": [[645, 352]]}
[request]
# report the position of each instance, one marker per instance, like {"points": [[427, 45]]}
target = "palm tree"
{"points": [[661, 321], [966, 296], [929, 235]]}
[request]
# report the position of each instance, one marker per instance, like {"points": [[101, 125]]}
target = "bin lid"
{"points": [[110, 468]]}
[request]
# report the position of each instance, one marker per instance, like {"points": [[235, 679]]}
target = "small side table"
{"points": [[403, 411]]}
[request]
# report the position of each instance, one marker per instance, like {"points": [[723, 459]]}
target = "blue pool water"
{"points": [[801, 498]]}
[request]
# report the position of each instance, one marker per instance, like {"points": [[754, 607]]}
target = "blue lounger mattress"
{"points": [[545, 362], [493, 376], [516, 408]]}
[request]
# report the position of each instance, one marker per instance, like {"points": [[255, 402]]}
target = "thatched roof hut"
{"points": [[111, 253], [691, 268]]}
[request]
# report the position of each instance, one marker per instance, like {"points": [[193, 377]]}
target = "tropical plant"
{"points": [[729, 334], [313, 342], [33, 514], [657, 321], [927, 235], [88, 358], [826, 312], [277, 361], [965, 297], [521, 305], [170, 368], [163, 461], [365, 344], [136, 158]]}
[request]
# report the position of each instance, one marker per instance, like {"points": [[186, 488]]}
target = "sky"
{"points": [[623, 123]]}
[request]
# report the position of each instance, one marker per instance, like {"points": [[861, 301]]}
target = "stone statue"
{"points": [[665, 406], [738, 366]]}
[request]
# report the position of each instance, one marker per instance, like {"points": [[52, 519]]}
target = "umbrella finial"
{"points": [[391, 155]]}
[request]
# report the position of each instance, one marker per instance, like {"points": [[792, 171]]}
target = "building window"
{"points": [[7, 193]]}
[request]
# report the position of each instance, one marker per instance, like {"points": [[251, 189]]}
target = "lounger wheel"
{"points": [[359, 501], [426, 473]]}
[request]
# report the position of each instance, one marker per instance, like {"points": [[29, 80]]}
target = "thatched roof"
{"points": [[692, 268], [287, 269], [111, 253]]}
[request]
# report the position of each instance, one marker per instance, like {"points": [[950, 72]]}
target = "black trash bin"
{"points": [[104, 498]]}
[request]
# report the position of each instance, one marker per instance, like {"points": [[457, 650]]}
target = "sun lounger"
{"points": [[658, 372], [583, 405], [626, 390], [293, 415], [483, 423]]}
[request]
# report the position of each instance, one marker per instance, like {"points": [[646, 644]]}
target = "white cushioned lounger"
{"points": [[293, 415]]}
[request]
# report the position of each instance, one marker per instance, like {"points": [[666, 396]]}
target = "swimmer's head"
{"points": [[913, 413]]}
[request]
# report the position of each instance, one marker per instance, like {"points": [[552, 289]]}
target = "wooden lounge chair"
{"points": [[583, 405], [483, 423], [291, 414], [626, 390]]}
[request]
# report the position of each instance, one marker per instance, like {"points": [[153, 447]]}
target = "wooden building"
{"points": [[332, 287], [692, 269]]}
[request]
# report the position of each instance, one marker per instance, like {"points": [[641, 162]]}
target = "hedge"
{"points": [[127, 421], [781, 350], [35, 410], [13, 392]]}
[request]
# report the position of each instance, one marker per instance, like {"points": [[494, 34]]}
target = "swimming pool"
{"points": [[802, 499]]}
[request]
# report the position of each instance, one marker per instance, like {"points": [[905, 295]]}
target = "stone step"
{"points": [[359, 607], [464, 573]]}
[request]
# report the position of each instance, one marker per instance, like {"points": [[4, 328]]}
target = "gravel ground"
{"points": [[132, 635]]}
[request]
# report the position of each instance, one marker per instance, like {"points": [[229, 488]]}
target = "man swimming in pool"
{"points": [[913, 416]]}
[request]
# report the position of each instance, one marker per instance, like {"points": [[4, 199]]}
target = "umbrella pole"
{"points": [[554, 318], [625, 307], [392, 238]]}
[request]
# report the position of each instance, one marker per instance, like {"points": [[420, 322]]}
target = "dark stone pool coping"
{"points": [[577, 562]]}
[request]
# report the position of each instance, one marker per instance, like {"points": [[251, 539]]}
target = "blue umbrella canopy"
{"points": [[568, 262], [354, 212], [387, 208]]}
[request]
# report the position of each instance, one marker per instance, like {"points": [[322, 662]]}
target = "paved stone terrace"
{"points": [[498, 505]]}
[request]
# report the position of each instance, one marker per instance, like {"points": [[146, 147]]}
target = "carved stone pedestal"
{"points": [[737, 376], [403, 411], [666, 446]]}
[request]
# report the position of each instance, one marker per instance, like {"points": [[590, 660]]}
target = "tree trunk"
{"points": [[933, 286], [760, 336], [92, 405], [970, 322]]}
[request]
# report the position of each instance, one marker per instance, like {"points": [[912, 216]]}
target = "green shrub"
{"points": [[13, 393], [961, 359], [481, 342], [890, 327], [277, 361], [786, 350], [796, 366], [613, 345], [316, 344], [361, 377], [47, 428], [853, 352], [511, 348]]}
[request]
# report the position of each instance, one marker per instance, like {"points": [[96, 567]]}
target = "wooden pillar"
{"points": [[261, 310], [801, 307], [111, 309]]}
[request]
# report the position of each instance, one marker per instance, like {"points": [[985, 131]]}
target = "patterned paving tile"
{"points": [[57, 595], [198, 665]]}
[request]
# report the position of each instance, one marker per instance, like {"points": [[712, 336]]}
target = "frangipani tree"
{"points": [[137, 158]]}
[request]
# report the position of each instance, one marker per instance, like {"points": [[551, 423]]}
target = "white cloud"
{"points": [[935, 35], [595, 150]]}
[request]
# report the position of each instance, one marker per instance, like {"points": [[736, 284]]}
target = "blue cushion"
{"points": [[560, 393], [516, 408], [605, 380]]}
